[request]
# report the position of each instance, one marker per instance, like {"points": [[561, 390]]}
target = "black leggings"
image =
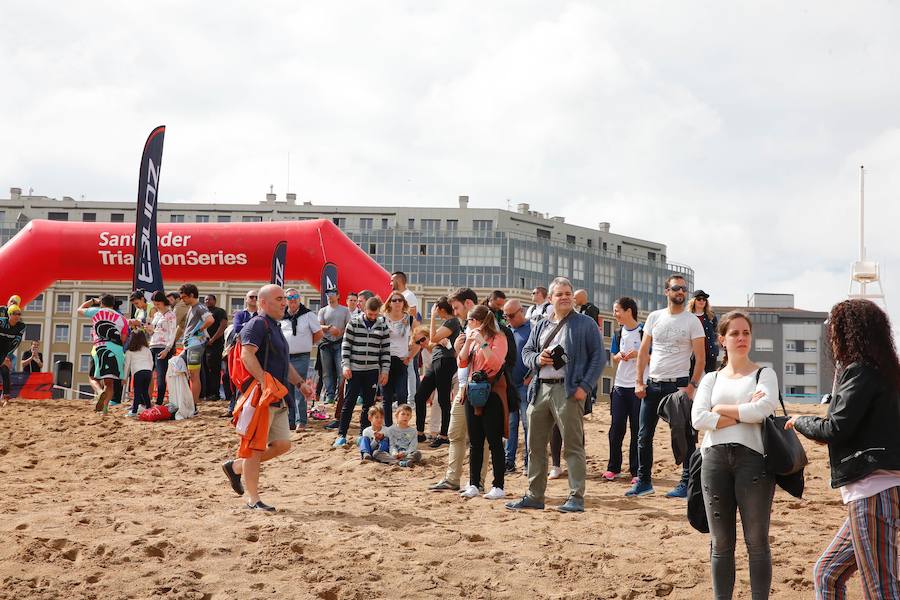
{"points": [[141, 389], [7, 388], [488, 425], [439, 376]]}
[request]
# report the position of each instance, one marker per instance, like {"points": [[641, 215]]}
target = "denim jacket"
{"points": [[583, 344]]}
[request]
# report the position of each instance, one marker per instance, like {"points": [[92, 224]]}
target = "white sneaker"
{"points": [[470, 492], [555, 473], [495, 494]]}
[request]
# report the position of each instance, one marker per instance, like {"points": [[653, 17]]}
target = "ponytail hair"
{"points": [[724, 322], [488, 323]]}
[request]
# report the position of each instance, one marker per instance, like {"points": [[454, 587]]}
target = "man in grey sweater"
{"points": [[366, 360]]}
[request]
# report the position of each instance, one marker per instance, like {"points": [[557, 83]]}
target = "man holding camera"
{"points": [[565, 352]]}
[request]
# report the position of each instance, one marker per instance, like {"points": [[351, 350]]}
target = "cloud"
{"points": [[732, 133]]}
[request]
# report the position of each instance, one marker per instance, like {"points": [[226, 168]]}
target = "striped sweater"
{"points": [[366, 349]]}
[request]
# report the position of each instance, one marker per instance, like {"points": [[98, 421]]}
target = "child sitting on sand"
{"points": [[403, 437], [374, 444]]}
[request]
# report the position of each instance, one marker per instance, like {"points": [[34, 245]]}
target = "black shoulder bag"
{"points": [[784, 452]]}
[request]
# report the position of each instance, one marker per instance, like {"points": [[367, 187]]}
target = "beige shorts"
{"points": [[279, 426]]}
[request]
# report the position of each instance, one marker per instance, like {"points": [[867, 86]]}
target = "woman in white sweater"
{"points": [[729, 408], [139, 363]]}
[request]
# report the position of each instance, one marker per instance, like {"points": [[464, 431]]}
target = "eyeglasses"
{"points": [[421, 340], [293, 297], [251, 297], [397, 299], [679, 288]]}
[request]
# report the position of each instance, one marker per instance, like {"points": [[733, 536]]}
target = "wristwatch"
{"points": [[693, 384]]}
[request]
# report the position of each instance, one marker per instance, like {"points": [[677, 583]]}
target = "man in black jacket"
{"points": [[586, 308]]}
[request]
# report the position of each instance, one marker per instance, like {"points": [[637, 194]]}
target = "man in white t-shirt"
{"points": [[674, 335], [541, 305], [302, 330], [398, 283]]}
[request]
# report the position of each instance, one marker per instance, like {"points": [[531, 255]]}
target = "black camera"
{"points": [[479, 377], [559, 356]]}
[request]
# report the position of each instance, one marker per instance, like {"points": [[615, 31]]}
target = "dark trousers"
{"points": [[141, 389], [363, 384], [162, 367], [118, 389], [656, 391], [4, 373], [488, 425], [212, 370], [734, 478], [397, 388], [438, 377], [625, 408]]}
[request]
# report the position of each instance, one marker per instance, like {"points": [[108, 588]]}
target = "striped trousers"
{"points": [[867, 542]]}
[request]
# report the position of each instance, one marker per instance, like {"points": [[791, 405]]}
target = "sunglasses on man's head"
{"points": [[421, 340], [679, 288]]}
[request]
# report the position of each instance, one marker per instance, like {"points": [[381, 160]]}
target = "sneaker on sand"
{"points": [[318, 415], [366, 456], [470, 492], [680, 491], [333, 425], [131, 413], [634, 480], [495, 494], [340, 442], [404, 463], [609, 476], [443, 486], [640, 489], [555, 473], [525, 502]]}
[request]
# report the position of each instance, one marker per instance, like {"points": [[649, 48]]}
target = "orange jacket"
{"points": [[257, 436]]}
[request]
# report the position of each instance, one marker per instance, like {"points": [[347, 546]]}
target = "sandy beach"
{"points": [[114, 508]]}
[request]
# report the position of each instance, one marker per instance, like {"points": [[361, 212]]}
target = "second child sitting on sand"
{"points": [[374, 444], [404, 438]]}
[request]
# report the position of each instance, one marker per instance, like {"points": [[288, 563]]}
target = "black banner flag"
{"points": [[147, 270], [278, 260], [329, 281]]}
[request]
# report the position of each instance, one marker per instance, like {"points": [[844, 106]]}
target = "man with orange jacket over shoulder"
{"points": [[264, 350]]}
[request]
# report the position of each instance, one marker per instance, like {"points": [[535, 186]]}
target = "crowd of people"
{"points": [[475, 373]]}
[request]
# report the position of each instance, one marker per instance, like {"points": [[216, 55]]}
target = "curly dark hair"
{"points": [[859, 331]]}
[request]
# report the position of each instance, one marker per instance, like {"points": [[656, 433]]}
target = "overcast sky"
{"points": [[732, 132]]}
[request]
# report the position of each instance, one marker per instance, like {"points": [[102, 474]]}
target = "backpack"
{"points": [[236, 369], [157, 413]]}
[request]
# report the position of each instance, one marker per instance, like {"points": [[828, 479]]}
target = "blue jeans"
{"points": [[362, 383], [365, 446], [162, 367], [625, 408], [397, 388], [656, 391], [516, 417], [330, 355], [296, 400]]}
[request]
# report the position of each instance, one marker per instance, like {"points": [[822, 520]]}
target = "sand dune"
{"points": [[114, 508]]}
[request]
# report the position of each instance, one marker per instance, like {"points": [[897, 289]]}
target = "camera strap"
{"points": [[555, 331]]}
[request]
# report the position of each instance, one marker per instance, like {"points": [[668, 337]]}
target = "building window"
{"points": [[341, 222], [431, 224], [237, 303], [223, 219], [61, 333], [479, 256], [84, 363], [251, 219], [618, 250], [482, 225], [570, 239], [201, 219], [605, 273], [795, 390], [33, 332], [790, 345], [58, 358], [810, 369], [176, 218], [452, 225], [810, 346], [423, 249], [543, 234], [529, 260], [37, 304], [86, 333], [365, 223], [651, 256], [411, 224], [89, 217], [607, 328], [385, 224], [58, 216], [63, 303], [764, 345], [373, 249], [606, 385], [590, 243], [790, 368], [578, 268], [117, 218]]}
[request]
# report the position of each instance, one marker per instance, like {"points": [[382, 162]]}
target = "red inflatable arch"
{"points": [[47, 251]]}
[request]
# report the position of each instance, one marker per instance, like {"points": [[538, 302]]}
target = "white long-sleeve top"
{"points": [[716, 388], [138, 360]]}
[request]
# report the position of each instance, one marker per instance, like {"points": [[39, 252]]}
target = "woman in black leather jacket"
{"points": [[862, 431]]}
